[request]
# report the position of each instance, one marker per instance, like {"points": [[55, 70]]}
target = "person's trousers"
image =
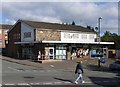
{"points": [[79, 77]]}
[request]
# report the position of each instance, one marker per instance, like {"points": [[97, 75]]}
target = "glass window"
{"points": [[27, 34], [51, 51]]}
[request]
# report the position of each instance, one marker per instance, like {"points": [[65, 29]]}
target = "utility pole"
{"points": [[99, 40]]}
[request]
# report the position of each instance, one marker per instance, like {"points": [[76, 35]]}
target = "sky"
{"points": [[83, 13]]}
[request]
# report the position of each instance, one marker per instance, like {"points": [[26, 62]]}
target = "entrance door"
{"points": [[51, 52]]}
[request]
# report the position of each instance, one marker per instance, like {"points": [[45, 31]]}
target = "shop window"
{"points": [[51, 51]]}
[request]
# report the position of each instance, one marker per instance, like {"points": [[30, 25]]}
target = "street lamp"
{"points": [[99, 27], [99, 39]]}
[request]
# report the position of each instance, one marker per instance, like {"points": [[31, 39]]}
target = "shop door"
{"points": [[51, 52]]}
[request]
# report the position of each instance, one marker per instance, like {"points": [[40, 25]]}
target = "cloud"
{"points": [[60, 0], [83, 13]]}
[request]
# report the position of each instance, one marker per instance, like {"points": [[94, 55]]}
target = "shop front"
{"points": [[56, 52]]}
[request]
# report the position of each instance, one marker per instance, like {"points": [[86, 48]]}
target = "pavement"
{"points": [[60, 64]]}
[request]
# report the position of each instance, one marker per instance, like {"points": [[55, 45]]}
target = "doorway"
{"points": [[49, 52]]}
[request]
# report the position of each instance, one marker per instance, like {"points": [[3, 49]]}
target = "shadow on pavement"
{"points": [[62, 79], [102, 69], [106, 82]]}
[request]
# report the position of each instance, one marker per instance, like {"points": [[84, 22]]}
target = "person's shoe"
{"points": [[83, 81], [76, 82]]}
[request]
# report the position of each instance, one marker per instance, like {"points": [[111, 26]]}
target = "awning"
{"points": [[63, 42], [26, 42]]}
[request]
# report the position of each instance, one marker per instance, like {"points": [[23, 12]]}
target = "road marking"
{"points": [[57, 82], [48, 83], [87, 82], [13, 69], [67, 82], [35, 83], [52, 65], [9, 84], [22, 84], [0, 85]]}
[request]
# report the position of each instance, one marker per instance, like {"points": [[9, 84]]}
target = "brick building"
{"points": [[3, 35], [54, 41]]}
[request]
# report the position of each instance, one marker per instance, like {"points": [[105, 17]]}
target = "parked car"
{"points": [[115, 65]]}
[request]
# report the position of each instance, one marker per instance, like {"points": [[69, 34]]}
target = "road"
{"points": [[18, 75]]}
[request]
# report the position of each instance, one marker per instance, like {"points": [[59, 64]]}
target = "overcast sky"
{"points": [[83, 13]]}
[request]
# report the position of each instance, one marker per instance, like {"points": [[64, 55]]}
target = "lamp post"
{"points": [[99, 39], [99, 27]]}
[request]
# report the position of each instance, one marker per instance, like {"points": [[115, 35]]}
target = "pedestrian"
{"points": [[39, 56], [79, 71], [99, 60]]}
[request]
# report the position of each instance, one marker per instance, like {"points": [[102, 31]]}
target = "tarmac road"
{"points": [[17, 75]]}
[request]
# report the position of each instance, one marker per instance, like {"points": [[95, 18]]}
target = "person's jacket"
{"points": [[79, 69]]}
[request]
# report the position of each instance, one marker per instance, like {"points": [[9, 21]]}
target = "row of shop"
{"points": [[52, 41], [63, 51]]}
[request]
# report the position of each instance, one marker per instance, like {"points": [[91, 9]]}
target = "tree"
{"points": [[73, 23], [106, 37], [109, 37], [89, 27]]}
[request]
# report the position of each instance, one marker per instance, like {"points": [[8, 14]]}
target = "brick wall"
{"points": [[48, 35], [12, 49]]}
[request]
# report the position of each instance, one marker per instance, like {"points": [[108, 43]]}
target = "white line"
{"points": [[88, 82], [52, 65], [57, 82], [22, 84], [9, 84], [35, 83], [67, 82], [0, 85], [13, 68], [48, 83]]}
